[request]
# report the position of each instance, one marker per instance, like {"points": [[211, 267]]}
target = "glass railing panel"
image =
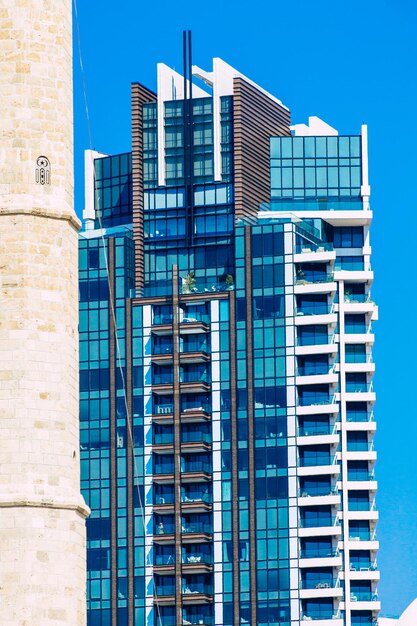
{"points": [[317, 491], [163, 438], [311, 431], [363, 596], [307, 246], [359, 506], [357, 387], [318, 553], [195, 317], [196, 527], [195, 377], [196, 496], [162, 319], [195, 558], [164, 468], [315, 369], [206, 286], [163, 409], [164, 559], [164, 528], [313, 309], [315, 400], [165, 348], [317, 460], [358, 416], [162, 379], [317, 522], [358, 446], [195, 437], [322, 583], [197, 588], [165, 590], [307, 278], [356, 329], [166, 498], [315, 340], [195, 466]]}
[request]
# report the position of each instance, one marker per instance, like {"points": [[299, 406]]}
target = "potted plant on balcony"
{"points": [[188, 283]]}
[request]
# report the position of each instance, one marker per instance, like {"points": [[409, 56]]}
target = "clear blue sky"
{"points": [[348, 63]]}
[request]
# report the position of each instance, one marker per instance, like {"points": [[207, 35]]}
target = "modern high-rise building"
{"points": [[226, 365]]}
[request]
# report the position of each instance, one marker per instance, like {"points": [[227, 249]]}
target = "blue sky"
{"points": [[348, 63]]}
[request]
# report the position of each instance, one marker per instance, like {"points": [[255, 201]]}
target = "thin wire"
{"points": [[112, 310]]}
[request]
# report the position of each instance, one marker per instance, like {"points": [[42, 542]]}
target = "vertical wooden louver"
{"points": [[140, 96], [256, 118]]}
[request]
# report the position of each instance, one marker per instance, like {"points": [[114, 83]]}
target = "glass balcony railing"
{"points": [[359, 446], [196, 466], [164, 528], [165, 590], [162, 379], [359, 416], [164, 559], [315, 340], [194, 377], [358, 358], [195, 405], [322, 459], [165, 348], [307, 246], [314, 430], [197, 588], [356, 329], [196, 558], [358, 387], [194, 346], [314, 309], [315, 369], [162, 319], [363, 566], [363, 596], [206, 286], [361, 505], [163, 468], [195, 437], [166, 498], [195, 496], [198, 620], [193, 318], [322, 490], [163, 439], [315, 553], [320, 615], [321, 583], [360, 534], [357, 298], [196, 527], [317, 522], [316, 400], [310, 278]]}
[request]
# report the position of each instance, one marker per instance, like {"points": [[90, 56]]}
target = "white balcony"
{"points": [[368, 367], [362, 574], [323, 348], [371, 515], [360, 396], [314, 256], [317, 470], [363, 426], [307, 287], [320, 531], [359, 455], [317, 409], [330, 378], [325, 561], [322, 590], [359, 307], [367, 485], [323, 318], [354, 276], [309, 621], [356, 543], [330, 499], [313, 440], [364, 605], [359, 338]]}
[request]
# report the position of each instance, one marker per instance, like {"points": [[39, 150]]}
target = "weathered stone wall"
{"points": [[42, 515]]}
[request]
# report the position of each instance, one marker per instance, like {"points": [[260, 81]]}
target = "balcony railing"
{"points": [[167, 498], [315, 340], [196, 497], [317, 400], [310, 279], [307, 246], [315, 369], [319, 554], [165, 348], [197, 620], [321, 615], [357, 298], [193, 377], [323, 459], [164, 559], [162, 319], [197, 588], [164, 468], [196, 466], [162, 379], [324, 583], [325, 522], [318, 491], [363, 596], [314, 309], [358, 387], [195, 437], [359, 416], [160, 439], [357, 329], [209, 286], [360, 446], [196, 527], [312, 431], [197, 559], [163, 409], [164, 528], [363, 566], [165, 590]]}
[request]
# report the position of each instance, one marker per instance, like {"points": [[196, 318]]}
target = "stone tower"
{"points": [[42, 514]]}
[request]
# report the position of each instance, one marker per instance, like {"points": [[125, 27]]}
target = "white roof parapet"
{"points": [[315, 128]]}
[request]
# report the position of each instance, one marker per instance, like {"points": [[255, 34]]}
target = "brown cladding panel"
{"points": [[256, 118], [140, 96]]}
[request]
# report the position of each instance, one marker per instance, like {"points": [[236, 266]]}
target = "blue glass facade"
{"points": [[226, 396]]}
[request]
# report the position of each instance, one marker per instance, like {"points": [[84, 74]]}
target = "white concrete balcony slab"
{"points": [[321, 591], [321, 531], [354, 276], [304, 288], [306, 500], [363, 426], [314, 256], [367, 485], [331, 378], [317, 409], [360, 396], [354, 574], [345, 217], [356, 543], [360, 455], [317, 470], [368, 367], [359, 338], [363, 605], [313, 440], [325, 561], [371, 515], [323, 348], [309, 621], [324, 318]]}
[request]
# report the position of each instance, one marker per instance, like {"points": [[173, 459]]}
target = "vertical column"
{"points": [[130, 473]]}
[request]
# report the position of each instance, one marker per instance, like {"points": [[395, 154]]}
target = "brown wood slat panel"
{"points": [[140, 95], [256, 118]]}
